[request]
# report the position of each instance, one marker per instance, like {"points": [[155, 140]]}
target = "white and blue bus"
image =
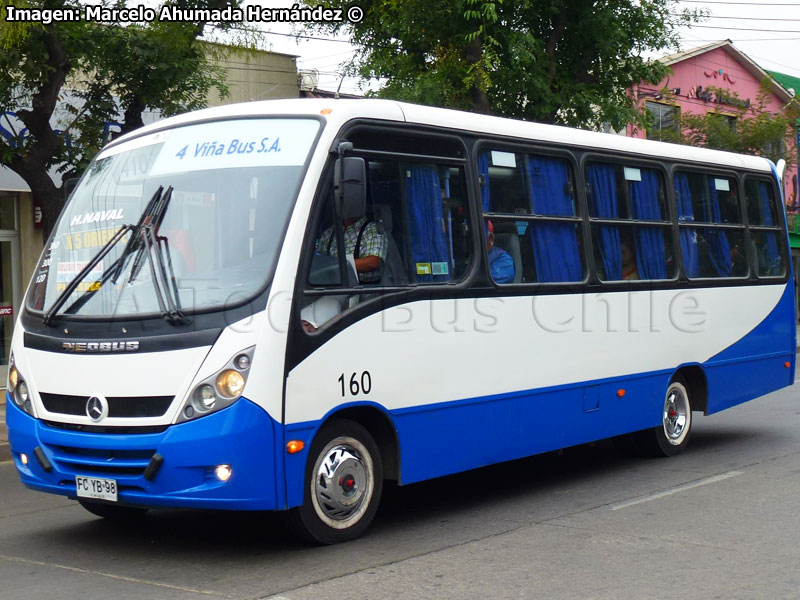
{"points": [[281, 305]]}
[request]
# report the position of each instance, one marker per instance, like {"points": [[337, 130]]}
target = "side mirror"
{"points": [[350, 187]]}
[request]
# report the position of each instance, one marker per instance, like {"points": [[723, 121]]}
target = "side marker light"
{"points": [[787, 364], [620, 393], [326, 111], [295, 446]]}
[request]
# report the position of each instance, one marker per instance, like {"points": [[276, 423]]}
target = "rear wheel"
{"points": [[343, 485], [672, 436], [112, 512]]}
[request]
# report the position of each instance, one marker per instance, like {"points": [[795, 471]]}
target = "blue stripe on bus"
{"points": [[242, 435], [435, 439]]}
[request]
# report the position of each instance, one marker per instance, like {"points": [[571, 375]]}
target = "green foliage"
{"points": [[67, 81], [753, 130], [560, 61]]}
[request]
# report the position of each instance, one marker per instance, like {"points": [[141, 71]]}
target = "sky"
{"points": [[768, 31]]}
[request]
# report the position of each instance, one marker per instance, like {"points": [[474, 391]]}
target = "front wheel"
{"points": [[343, 485], [672, 436]]}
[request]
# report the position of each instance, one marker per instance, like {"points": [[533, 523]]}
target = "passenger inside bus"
{"points": [[361, 239], [630, 270], [501, 265]]}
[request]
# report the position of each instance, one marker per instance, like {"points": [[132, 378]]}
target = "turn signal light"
{"points": [[295, 446]]}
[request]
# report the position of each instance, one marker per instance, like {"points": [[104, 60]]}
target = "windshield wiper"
{"points": [[144, 242], [148, 244], [156, 248], [135, 242], [72, 285], [113, 269]]}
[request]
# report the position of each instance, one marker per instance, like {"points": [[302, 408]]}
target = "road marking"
{"points": [[675, 490], [39, 563]]}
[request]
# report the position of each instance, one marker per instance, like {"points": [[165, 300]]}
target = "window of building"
{"points": [[530, 201], [666, 119], [630, 224]]}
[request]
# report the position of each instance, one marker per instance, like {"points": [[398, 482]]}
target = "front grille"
{"points": [[127, 430], [80, 461], [118, 406]]}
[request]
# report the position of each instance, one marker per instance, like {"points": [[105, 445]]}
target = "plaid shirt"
{"points": [[372, 244]]}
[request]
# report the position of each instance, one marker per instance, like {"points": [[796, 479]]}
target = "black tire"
{"points": [[672, 436], [113, 512], [343, 485]]}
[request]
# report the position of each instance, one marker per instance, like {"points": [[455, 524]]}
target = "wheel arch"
{"points": [[696, 379], [381, 427]]}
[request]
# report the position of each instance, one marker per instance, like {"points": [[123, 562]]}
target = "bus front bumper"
{"points": [[241, 436]]}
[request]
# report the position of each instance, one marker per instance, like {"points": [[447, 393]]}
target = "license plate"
{"points": [[93, 487]]}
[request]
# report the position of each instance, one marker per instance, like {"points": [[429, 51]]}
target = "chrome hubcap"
{"points": [[342, 485], [676, 415]]}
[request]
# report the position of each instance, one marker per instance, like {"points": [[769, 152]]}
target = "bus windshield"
{"points": [[232, 187]]}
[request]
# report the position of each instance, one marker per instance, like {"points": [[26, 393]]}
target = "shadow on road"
{"points": [[405, 511]]}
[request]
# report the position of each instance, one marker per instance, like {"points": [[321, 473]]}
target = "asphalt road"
{"points": [[720, 521]]}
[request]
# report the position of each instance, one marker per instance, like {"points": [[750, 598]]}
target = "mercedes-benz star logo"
{"points": [[97, 408]]}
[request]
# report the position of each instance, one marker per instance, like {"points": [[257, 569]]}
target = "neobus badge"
{"points": [[132, 346]]}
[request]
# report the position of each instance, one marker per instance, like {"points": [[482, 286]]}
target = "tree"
{"points": [[113, 74], [557, 61], [752, 129]]}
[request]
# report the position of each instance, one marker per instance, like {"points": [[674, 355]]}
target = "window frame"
{"points": [[304, 287], [677, 128], [778, 229], [569, 154], [710, 171], [668, 224]]}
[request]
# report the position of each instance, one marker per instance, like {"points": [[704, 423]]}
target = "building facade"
{"points": [[715, 78], [250, 75], [719, 78]]}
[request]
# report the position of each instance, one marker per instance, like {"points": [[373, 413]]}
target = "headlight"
{"points": [[220, 390], [18, 388], [13, 378], [230, 383]]}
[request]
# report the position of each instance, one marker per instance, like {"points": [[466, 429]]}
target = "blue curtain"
{"points": [[771, 252], [719, 250], [691, 261], [650, 259], [603, 203], [425, 221], [555, 245]]}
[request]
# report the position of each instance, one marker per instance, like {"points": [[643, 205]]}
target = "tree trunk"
{"points": [[480, 101], [45, 194]]}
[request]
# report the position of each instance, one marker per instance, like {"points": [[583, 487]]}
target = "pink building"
{"points": [[714, 78]]}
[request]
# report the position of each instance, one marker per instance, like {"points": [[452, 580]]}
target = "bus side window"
{"points": [[705, 202], [415, 231], [766, 244], [625, 249], [534, 196]]}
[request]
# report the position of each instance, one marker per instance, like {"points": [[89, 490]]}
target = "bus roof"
{"points": [[344, 110]]}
